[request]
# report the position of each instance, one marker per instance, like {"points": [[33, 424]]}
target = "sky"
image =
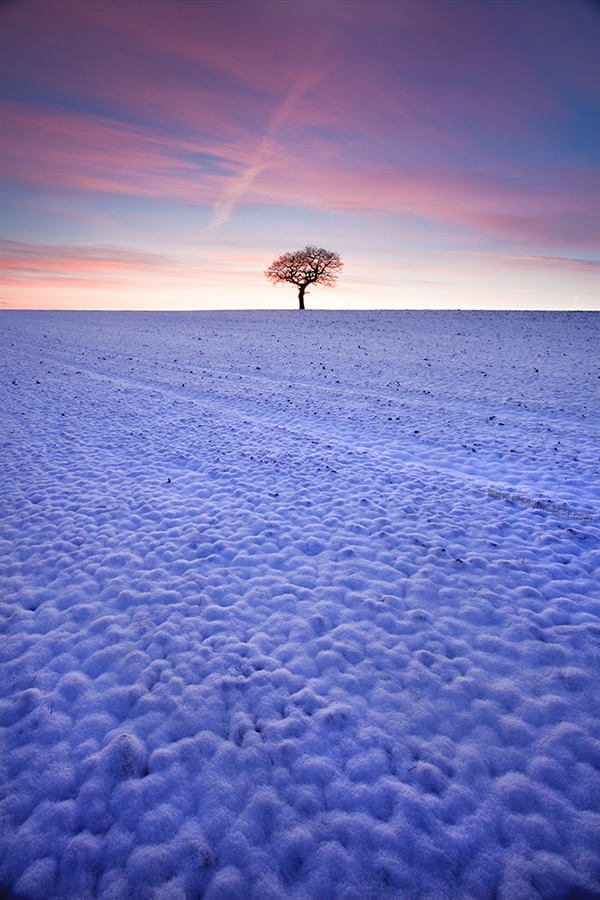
{"points": [[159, 154]]}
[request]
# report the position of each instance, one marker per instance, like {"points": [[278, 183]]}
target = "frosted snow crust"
{"points": [[265, 633]]}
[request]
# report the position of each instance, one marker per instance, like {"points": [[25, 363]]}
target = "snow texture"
{"points": [[268, 631]]}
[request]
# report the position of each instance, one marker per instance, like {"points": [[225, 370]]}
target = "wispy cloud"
{"points": [[585, 266], [59, 150], [20, 261], [75, 151], [268, 154]]}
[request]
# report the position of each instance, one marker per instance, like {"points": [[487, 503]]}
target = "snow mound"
{"points": [[266, 632]]}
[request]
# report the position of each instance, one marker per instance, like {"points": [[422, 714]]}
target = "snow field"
{"points": [[265, 632]]}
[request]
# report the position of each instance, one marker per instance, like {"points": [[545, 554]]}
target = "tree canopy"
{"points": [[312, 265]]}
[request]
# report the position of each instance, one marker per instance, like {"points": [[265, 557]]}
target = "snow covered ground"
{"points": [[267, 634]]}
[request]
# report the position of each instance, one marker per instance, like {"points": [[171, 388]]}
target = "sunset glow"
{"points": [[159, 154]]}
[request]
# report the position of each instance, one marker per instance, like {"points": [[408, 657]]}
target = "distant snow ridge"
{"points": [[266, 635]]}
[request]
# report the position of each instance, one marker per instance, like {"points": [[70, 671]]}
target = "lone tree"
{"points": [[313, 265]]}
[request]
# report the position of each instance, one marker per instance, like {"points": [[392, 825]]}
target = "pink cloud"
{"points": [[80, 152], [19, 261], [86, 265], [388, 72], [83, 152], [585, 268], [433, 111]]}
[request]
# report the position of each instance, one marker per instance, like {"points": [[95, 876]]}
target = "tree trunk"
{"points": [[301, 291]]}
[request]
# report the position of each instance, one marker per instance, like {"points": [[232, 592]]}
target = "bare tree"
{"points": [[313, 265]]}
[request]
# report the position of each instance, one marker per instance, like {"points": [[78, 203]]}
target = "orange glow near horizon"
{"points": [[55, 280]]}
